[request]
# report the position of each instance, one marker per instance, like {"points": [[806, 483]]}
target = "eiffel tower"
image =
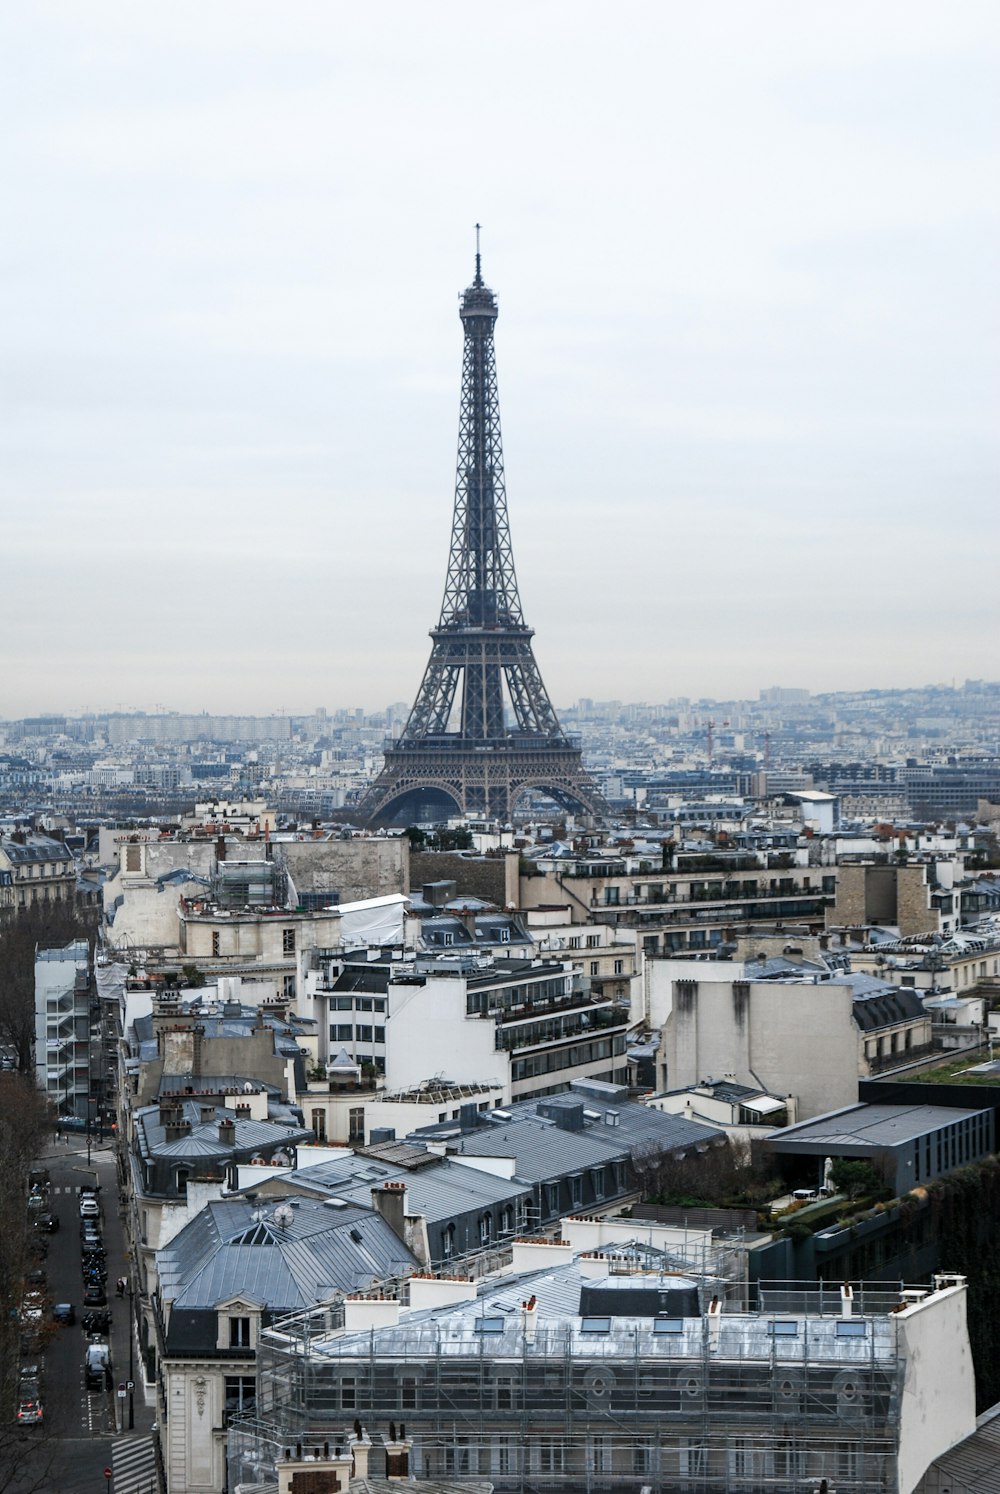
{"points": [[482, 731]]}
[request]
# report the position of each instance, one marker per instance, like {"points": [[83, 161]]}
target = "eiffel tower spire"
{"points": [[482, 730]]}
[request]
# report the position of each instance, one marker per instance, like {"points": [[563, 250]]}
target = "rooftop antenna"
{"points": [[479, 259]]}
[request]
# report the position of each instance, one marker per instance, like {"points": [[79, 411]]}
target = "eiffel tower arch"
{"points": [[482, 731]]}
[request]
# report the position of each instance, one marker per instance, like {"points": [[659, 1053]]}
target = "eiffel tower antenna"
{"points": [[482, 730]]}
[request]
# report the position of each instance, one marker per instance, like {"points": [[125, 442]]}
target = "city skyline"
{"points": [[746, 333]]}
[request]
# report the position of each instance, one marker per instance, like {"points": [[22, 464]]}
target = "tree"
{"points": [[730, 1174], [24, 1117], [27, 1463], [858, 1179], [45, 925]]}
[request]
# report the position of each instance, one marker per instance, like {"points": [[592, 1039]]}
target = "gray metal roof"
{"points": [[309, 1251], [559, 1327], [613, 1127], [973, 1466], [439, 1191], [203, 1138], [38, 849], [870, 1125]]}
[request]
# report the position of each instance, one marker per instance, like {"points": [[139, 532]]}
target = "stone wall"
{"points": [[482, 877]]}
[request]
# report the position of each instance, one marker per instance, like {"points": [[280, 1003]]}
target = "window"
{"points": [[288, 941], [693, 1458], [593, 941], [348, 1393], [849, 1329], [505, 1392], [488, 1325], [668, 1325], [846, 1460], [783, 1328], [486, 1228], [504, 1455], [408, 1393], [319, 1124], [595, 1325], [551, 1455], [356, 1124], [619, 967], [288, 987], [741, 1458], [448, 1241], [364, 1034], [239, 1333], [240, 1396], [460, 1458], [595, 967], [600, 1454]]}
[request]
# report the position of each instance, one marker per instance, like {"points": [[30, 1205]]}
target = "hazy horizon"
{"points": [[747, 347]]}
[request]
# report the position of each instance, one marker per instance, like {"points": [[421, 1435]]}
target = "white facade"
{"points": [[795, 1038]]}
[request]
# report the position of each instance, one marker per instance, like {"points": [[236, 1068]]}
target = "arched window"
{"points": [[448, 1241]]}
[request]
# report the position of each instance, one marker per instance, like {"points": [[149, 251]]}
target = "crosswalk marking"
{"points": [[134, 1462]]}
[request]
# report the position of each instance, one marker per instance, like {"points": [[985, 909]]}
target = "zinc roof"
{"points": [[235, 1249]]}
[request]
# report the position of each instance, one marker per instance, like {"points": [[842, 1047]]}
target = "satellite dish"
{"points": [[248, 1087]]}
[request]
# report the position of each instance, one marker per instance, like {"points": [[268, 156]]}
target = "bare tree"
{"points": [[21, 933], [24, 1117], [730, 1173]]}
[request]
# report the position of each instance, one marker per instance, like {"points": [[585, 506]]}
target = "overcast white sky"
{"points": [[746, 256]]}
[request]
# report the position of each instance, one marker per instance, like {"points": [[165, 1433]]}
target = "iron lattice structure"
{"points": [[482, 730]]}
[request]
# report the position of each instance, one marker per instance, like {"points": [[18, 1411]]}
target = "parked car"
{"points": [[94, 1294], [64, 1312], [89, 1207], [48, 1222], [97, 1366], [29, 1403]]}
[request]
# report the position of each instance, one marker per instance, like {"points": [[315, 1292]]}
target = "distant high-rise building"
{"points": [[483, 730]]}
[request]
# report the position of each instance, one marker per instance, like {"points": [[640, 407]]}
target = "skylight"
{"points": [[595, 1325]]}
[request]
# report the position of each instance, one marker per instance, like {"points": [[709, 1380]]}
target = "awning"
{"points": [[764, 1105]]}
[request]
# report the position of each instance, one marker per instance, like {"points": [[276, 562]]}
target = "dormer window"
{"points": [[239, 1333]]}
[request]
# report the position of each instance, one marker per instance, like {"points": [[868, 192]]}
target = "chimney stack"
{"points": [[390, 1201], [529, 1319], [714, 1322]]}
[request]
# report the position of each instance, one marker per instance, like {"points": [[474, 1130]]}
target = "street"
{"points": [[85, 1425]]}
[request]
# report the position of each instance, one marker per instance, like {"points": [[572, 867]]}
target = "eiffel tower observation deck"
{"points": [[482, 731]]}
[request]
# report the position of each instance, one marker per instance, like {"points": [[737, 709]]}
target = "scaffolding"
{"points": [[722, 1401]]}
